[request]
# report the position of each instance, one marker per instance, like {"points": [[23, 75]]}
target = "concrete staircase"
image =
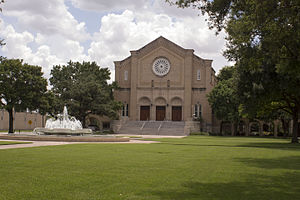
{"points": [[152, 128]]}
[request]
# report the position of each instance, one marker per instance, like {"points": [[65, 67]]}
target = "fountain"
{"points": [[63, 125]]}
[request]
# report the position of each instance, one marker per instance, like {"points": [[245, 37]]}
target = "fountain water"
{"points": [[63, 121], [63, 125]]}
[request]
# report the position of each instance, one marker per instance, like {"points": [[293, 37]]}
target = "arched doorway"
{"points": [[145, 104], [160, 107], [176, 103]]}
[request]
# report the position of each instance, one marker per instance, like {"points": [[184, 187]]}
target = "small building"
{"points": [[22, 120]]}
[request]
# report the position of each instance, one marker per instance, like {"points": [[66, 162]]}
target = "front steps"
{"points": [[152, 128]]}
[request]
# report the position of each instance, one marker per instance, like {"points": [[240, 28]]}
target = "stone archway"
{"points": [[254, 128], [93, 122]]}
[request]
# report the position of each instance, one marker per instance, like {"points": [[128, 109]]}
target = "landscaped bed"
{"points": [[197, 167]]}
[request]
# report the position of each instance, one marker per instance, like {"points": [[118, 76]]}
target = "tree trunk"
{"points": [[43, 121], [83, 121], [11, 120], [221, 127], [285, 126], [234, 126], [295, 127], [232, 129]]}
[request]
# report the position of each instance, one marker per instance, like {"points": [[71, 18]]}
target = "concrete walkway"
{"points": [[151, 136], [46, 143], [32, 144]]}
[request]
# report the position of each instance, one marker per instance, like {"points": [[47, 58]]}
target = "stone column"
{"points": [[133, 85], [169, 112], [188, 73]]}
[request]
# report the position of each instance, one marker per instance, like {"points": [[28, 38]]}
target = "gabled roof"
{"points": [[160, 41]]}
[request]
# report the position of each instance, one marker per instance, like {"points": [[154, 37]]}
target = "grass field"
{"points": [[197, 167], [12, 142]]}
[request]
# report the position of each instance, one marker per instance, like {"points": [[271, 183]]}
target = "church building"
{"points": [[165, 82]]}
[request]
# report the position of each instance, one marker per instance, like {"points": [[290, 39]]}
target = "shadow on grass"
{"points": [[281, 146], [263, 187], [291, 162]]}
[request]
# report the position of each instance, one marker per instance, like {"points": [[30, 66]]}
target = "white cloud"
{"points": [[17, 46], [107, 5], [46, 17], [50, 51], [120, 33], [16, 43]]}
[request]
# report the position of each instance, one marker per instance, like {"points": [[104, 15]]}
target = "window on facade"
{"points": [[197, 110], [125, 75], [125, 110], [198, 75]]}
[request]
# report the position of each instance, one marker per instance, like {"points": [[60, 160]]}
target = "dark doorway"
{"points": [[145, 113], [176, 113], [160, 113]]}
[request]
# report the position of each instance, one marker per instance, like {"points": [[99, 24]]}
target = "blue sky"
{"points": [[52, 32]]}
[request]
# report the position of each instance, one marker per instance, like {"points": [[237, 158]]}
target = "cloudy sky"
{"points": [[52, 32]]}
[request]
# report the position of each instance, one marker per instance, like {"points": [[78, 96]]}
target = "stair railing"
{"points": [[143, 126], [159, 127]]}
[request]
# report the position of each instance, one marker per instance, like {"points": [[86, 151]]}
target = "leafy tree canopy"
{"points": [[22, 87], [263, 38], [223, 97], [84, 89]]}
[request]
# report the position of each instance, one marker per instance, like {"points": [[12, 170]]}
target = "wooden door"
{"points": [[176, 113], [145, 113], [160, 113]]}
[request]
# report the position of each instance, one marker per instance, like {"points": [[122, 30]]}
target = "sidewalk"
{"points": [[46, 143]]}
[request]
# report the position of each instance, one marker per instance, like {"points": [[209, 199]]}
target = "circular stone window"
{"points": [[161, 67]]}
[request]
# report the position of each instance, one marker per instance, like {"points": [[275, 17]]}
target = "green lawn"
{"points": [[197, 167], [12, 142]]}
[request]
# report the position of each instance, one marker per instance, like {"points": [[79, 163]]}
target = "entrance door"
{"points": [[176, 113], [160, 113], [145, 113]]}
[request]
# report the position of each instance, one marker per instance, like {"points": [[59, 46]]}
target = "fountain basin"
{"points": [[61, 131]]}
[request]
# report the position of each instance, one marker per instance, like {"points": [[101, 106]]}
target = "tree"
{"points": [[84, 89], [22, 87], [264, 41], [223, 98]]}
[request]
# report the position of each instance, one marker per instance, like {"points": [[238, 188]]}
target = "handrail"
{"points": [[143, 125], [159, 127]]}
